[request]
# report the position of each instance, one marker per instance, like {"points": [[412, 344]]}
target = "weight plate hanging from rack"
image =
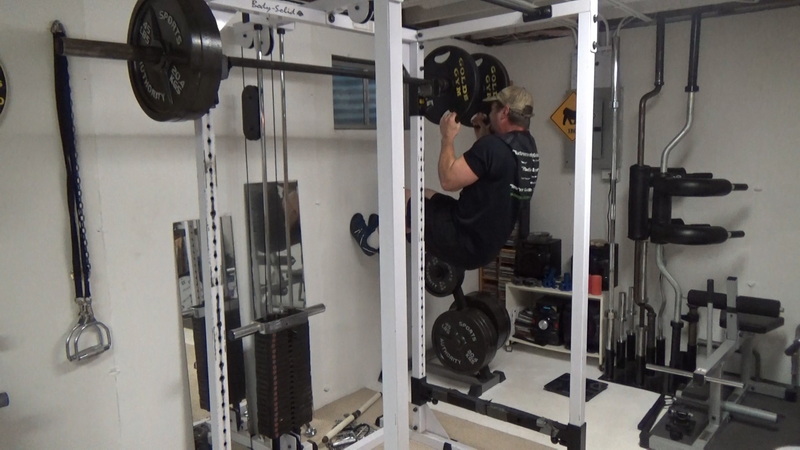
{"points": [[441, 277], [182, 80], [493, 78], [464, 340], [455, 83]]}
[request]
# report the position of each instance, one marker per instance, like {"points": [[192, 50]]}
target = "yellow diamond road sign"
{"points": [[564, 116]]}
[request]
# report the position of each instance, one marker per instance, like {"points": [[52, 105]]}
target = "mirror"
{"points": [[277, 278], [277, 287], [189, 274]]}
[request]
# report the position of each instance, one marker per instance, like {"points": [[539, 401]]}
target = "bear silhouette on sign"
{"points": [[569, 116]]}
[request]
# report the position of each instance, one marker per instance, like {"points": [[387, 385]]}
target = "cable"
{"points": [[247, 194]]}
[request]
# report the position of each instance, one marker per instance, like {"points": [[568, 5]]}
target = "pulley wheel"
{"points": [[464, 340], [493, 79], [362, 11], [494, 310], [441, 277], [183, 85], [455, 83]]}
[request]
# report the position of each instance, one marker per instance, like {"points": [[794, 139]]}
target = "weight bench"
{"points": [[703, 406]]}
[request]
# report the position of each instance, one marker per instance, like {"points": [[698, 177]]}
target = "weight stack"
{"points": [[236, 383], [283, 372]]}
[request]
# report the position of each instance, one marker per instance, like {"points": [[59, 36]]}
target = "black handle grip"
{"points": [[694, 54], [659, 51]]}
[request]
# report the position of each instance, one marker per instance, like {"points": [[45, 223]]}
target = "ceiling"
{"points": [[422, 14]]}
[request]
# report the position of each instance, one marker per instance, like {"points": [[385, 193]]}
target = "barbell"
{"points": [[176, 63]]}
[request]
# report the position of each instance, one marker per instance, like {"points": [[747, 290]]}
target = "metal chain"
{"points": [[74, 180], [83, 243]]}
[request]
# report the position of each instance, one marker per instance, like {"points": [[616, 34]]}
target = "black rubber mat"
{"points": [[561, 386]]}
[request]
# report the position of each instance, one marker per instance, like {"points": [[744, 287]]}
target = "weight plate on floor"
{"points": [[455, 83], [493, 79], [494, 310], [183, 85], [464, 340], [441, 277]]}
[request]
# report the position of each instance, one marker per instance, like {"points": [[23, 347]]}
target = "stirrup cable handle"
{"points": [[81, 268]]}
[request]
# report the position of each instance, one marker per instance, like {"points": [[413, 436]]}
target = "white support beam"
{"points": [[417, 186], [391, 208], [282, 12], [331, 5], [214, 295], [502, 21], [587, 46]]}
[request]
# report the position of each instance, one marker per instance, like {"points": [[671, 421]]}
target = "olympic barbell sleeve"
{"points": [[107, 50], [687, 374], [351, 417], [277, 325]]}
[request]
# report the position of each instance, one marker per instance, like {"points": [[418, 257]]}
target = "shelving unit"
{"points": [[519, 297], [494, 276]]}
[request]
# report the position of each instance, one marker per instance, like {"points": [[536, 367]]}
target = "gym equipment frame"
{"points": [[392, 42], [390, 38]]}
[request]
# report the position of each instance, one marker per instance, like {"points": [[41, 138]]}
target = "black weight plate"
{"points": [[3, 90], [441, 278], [464, 340], [493, 79], [455, 83], [184, 84], [494, 310]]}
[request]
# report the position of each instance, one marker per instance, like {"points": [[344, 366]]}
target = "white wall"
{"points": [[139, 177]]}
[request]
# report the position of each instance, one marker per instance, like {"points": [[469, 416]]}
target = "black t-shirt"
{"points": [[488, 209]]}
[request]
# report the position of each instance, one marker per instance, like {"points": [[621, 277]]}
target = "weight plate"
{"points": [[455, 83], [183, 85], [3, 90], [464, 341], [494, 310], [493, 79], [441, 277]]}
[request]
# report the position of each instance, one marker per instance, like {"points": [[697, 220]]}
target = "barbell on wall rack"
{"points": [[176, 64]]}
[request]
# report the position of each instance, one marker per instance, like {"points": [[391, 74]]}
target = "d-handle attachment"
{"points": [[86, 327]]}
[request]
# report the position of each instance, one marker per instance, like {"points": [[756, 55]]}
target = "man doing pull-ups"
{"points": [[496, 176]]}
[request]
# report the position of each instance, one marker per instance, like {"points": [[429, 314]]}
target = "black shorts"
{"points": [[442, 238]]}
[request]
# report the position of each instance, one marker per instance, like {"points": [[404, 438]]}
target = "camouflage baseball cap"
{"points": [[516, 98]]}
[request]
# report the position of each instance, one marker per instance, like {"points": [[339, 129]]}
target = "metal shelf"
{"points": [[519, 297]]}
